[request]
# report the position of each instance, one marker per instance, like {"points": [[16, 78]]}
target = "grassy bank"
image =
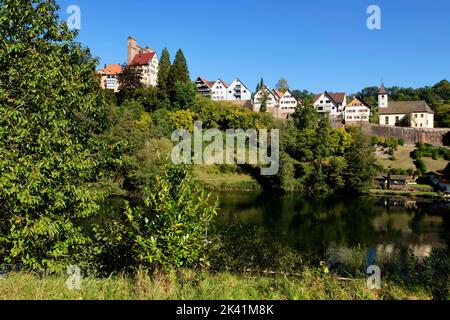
{"points": [[215, 180], [405, 193], [188, 285]]}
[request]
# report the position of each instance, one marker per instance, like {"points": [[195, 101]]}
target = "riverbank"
{"points": [[405, 193], [192, 285]]}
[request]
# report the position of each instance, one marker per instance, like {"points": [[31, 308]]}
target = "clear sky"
{"points": [[315, 44]]}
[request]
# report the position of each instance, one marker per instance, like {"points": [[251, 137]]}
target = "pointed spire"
{"points": [[383, 89]]}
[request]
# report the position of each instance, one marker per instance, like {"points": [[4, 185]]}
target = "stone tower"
{"points": [[134, 49]]}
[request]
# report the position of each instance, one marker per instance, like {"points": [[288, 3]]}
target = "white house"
{"points": [[271, 100], [280, 105], [148, 64], [357, 111], [332, 103], [238, 91], [414, 114], [109, 77], [219, 90], [287, 104]]}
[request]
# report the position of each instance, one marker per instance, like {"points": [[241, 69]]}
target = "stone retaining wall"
{"points": [[436, 137]]}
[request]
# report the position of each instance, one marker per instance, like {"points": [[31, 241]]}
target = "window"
{"points": [[415, 116], [397, 119], [421, 115], [387, 120], [321, 101]]}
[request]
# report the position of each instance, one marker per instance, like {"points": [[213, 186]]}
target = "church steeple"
{"points": [[383, 97]]}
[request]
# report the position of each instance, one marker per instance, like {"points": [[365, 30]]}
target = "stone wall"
{"points": [[436, 137]]}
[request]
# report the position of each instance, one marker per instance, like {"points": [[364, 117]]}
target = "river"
{"points": [[314, 225]]}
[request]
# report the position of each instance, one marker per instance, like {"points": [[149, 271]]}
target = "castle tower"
{"points": [[383, 97], [133, 49]]}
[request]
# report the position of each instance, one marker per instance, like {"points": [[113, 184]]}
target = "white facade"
{"points": [[280, 105], [219, 91], [271, 102], [413, 114], [150, 72], [325, 103], [238, 91], [287, 104], [357, 111]]}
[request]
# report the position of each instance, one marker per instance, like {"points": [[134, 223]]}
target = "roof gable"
{"points": [[142, 58]]}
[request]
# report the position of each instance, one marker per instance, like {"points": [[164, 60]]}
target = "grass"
{"points": [[215, 180], [403, 160], [421, 194], [192, 285]]}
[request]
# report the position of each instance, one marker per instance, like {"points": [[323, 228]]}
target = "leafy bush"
{"points": [[169, 230], [421, 167]]}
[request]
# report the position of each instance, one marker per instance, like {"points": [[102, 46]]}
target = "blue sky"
{"points": [[315, 44]]}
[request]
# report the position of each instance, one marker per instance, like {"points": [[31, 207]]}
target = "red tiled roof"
{"points": [[111, 69], [142, 58], [338, 97]]}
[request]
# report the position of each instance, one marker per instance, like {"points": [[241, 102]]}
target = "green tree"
{"points": [[264, 98], [50, 158], [178, 72], [183, 95], [129, 83], [163, 75], [361, 163], [305, 117], [282, 85]]}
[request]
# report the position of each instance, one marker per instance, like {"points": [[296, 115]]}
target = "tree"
{"points": [[183, 95], [50, 158], [129, 82], [264, 98], [282, 85], [305, 117], [163, 75], [178, 72], [361, 163]]}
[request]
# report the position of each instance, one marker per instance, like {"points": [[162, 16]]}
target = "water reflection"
{"points": [[383, 225]]}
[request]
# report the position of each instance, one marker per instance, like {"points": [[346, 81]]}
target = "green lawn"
{"points": [[193, 285], [215, 180], [404, 160]]}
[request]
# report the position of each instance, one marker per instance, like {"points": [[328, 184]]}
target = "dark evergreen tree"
{"points": [[179, 71], [163, 75]]}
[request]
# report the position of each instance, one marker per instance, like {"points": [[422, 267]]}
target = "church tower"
{"points": [[383, 97]]}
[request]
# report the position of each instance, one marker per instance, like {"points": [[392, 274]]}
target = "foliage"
{"points": [[182, 119], [178, 72], [421, 167], [51, 160], [169, 230], [129, 82], [163, 75], [361, 163], [184, 94], [282, 85], [428, 150]]}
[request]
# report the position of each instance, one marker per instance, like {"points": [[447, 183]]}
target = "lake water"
{"points": [[380, 225]]}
